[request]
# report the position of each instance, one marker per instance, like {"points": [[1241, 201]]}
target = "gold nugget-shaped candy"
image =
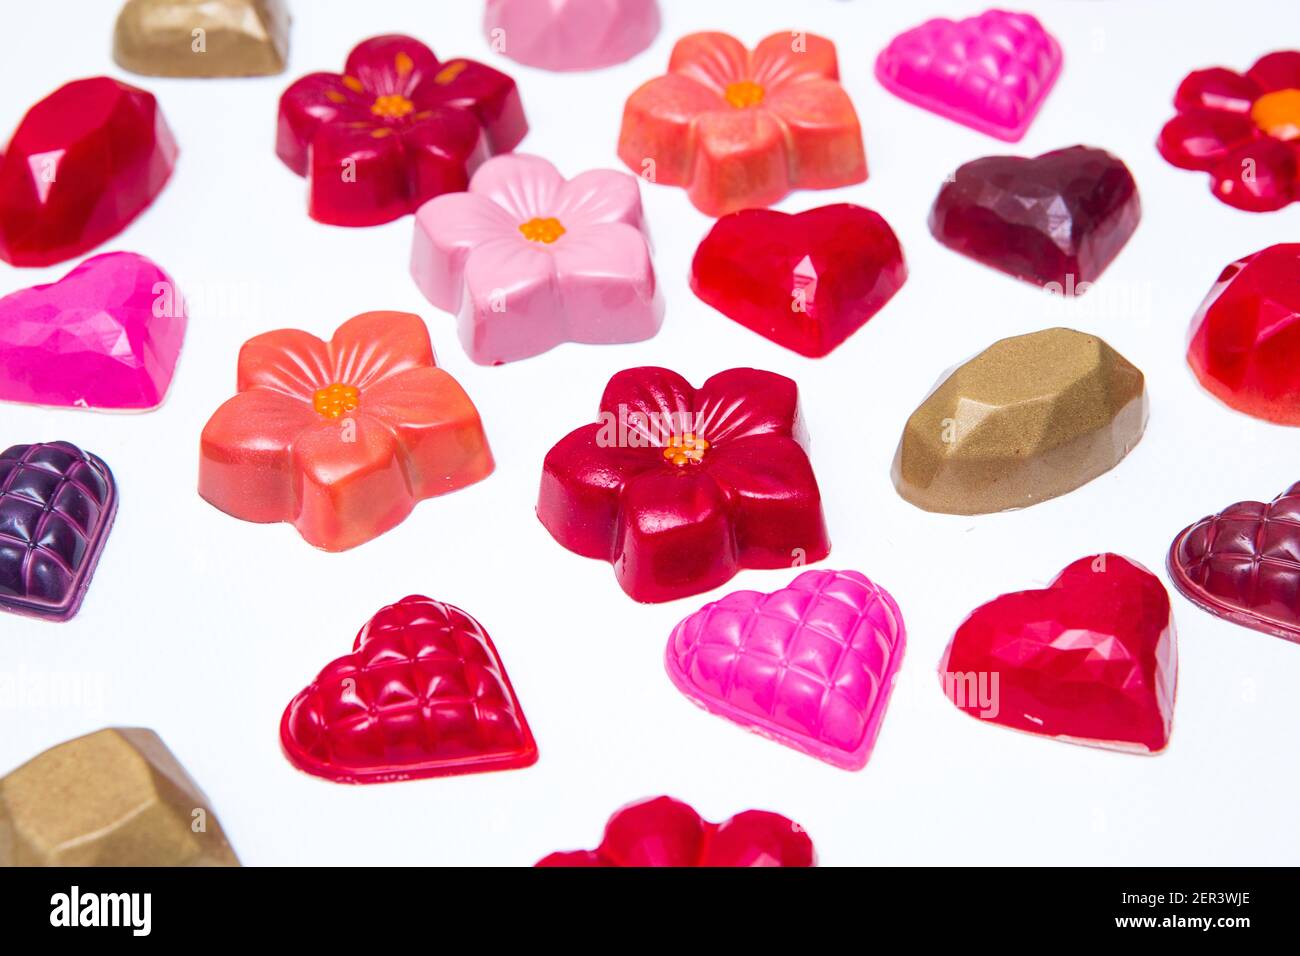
{"points": [[202, 37], [1029, 418]]}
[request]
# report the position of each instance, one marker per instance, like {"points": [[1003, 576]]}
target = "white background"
{"points": [[203, 627]]}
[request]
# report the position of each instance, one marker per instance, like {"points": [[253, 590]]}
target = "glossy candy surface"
{"points": [[527, 259], [679, 488], [395, 129], [737, 128], [991, 72], [83, 163], [1091, 658], [202, 37], [107, 335], [810, 666], [423, 694], [1057, 220], [1246, 335], [1243, 564], [57, 505], [571, 34], [806, 281], [666, 832], [341, 438]]}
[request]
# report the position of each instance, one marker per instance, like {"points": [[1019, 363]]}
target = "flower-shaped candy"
{"points": [[679, 488], [739, 128], [341, 438], [1243, 130], [396, 128], [529, 260]]}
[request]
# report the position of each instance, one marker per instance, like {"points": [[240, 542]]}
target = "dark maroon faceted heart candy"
{"points": [[1056, 220], [57, 505]]}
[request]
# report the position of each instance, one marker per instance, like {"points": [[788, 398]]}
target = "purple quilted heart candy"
{"points": [[810, 666], [57, 505]]}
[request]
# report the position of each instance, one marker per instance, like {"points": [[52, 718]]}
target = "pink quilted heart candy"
{"points": [[810, 666], [990, 72]]}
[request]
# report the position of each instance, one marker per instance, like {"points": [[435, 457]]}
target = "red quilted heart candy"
{"points": [[666, 832], [423, 694], [805, 281], [1243, 564], [1091, 658]]}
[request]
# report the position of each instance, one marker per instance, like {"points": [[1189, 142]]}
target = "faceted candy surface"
{"points": [[83, 163], [107, 335], [990, 72], [57, 504], [1246, 335], [1243, 564], [806, 281], [1029, 418], [571, 34], [810, 666], [423, 694], [1091, 658], [666, 832], [202, 37], [117, 797], [1057, 220]]}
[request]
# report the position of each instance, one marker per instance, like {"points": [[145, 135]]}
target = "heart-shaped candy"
{"points": [[1057, 220], [107, 335], [666, 832], [1091, 659], [423, 694], [806, 281], [1243, 564], [990, 72], [810, 666]]}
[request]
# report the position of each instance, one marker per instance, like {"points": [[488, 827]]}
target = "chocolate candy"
{"points": [[117, 797], [570, 34], [202, 37], [1029, 418]]}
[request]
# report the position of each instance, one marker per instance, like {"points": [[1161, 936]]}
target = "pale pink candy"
{"points": [[571, 34], [810, 666], [990, 72], [107, 336], [516, 297]]}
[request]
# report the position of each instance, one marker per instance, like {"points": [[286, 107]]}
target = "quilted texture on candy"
{"points": [[423, 694], [810, 666], [991, 72], [1243, 564], [57, 504], [571, 34], [663, 832]]}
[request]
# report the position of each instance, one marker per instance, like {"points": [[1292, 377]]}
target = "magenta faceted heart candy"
{"points": [[806, 281], [107, 335], [1056, 220], [810, 666]]}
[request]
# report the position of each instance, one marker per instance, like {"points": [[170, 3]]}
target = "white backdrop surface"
{"points": [[203, 627]]}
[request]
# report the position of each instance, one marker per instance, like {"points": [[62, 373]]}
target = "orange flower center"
{"points": [[1278, 114], [333, 401], [683, 450], [744, 94], [542, 230], [392, 106]]}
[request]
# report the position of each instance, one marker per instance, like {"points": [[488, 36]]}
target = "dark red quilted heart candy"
{"points": [[666, 832], [806, 281], [1243, 564], [423, 694], [1056, 220]]}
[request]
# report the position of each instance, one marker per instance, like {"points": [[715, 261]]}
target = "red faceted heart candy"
{"points": [[423, 694], [1243, 564], [1246, 335], [667, 832], [83, 163], [806, 281], [1091, 658], [1056, 220]]}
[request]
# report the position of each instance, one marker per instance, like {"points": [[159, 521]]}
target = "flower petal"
{"points": [[373, 346], [308, 104], [488, 94], [599, 196], [655, 403], [510, 308], [447, 228], [791, 54], [391, 64], [1277, 71], [742, 402], [358, 175], [607, 284], [1200, 138], [524, 186], [1216, 89], [825, 138], [1258, 176], [657, 139], [443, 146], [741, 161], [713, 59], [290, 361]]}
